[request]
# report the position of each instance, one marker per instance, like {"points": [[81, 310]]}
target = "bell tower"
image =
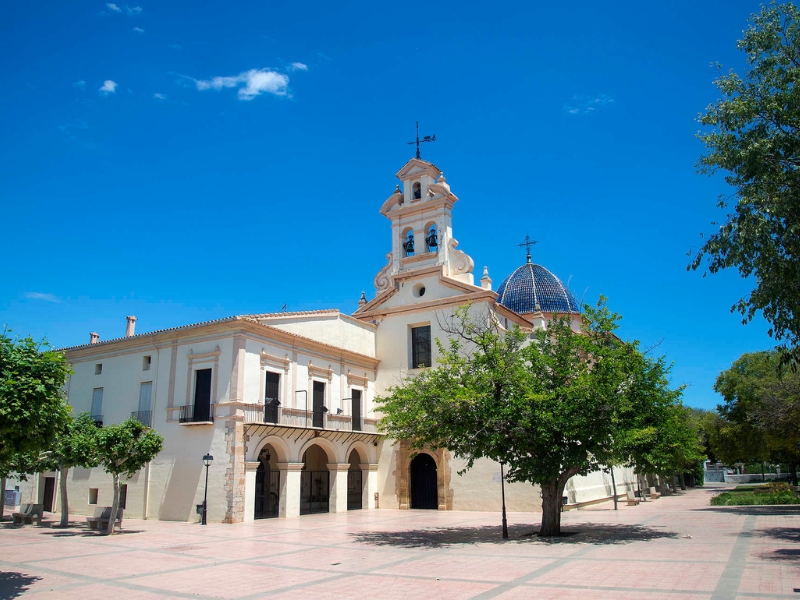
{"points": [[421, 213]]}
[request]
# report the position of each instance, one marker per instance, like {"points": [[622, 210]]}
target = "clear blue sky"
{"points": [[187, 161]]}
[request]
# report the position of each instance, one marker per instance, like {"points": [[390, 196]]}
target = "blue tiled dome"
{"points": [[532, 288]]}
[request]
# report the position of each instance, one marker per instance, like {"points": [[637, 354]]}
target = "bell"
{"points": [[408, 245], [432, 240]]}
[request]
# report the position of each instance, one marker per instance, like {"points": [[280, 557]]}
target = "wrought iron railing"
{"points": [[143, 416], [297, 417], [203, 413]]}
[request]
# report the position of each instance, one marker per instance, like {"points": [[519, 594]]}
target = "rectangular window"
{"points": [[97, 404], [123, 495], [318, 419], [356, 410], [146, 363], [98, 369], [145, 401], [272, 388], [202, 395], [92, 495], [420, 347]]}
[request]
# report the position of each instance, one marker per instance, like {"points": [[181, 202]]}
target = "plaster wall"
{"points": [[334, 330]]}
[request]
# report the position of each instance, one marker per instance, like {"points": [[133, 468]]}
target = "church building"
{"points": [[285, 402]]}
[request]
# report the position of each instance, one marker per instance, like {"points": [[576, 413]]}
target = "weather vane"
{"points": [[427, 138], [528, 243]]}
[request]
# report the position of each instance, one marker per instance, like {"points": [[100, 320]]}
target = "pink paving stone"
{"points": [[102, 592], [123, 563], [461, 567], [389, 588], [770, 579], [229, 580], [544, 593], [343, 559]]}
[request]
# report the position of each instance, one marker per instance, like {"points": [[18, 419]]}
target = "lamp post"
{"points": [[503, 496], [207, 460], [306, 393]]}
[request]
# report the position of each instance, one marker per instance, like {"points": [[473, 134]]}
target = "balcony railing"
{"points": [[297, 417], [98, 420], [143, 416], [203, 413]]}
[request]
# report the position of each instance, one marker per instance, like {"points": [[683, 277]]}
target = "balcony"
{"points": [[307, 419], [98, 420], [197, 415], [143, 416]]}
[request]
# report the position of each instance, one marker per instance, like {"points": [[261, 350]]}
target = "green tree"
{"points": [[122, 450], [753, 136], [548, 409], [760, 417], [32, 406], [75, 446]]}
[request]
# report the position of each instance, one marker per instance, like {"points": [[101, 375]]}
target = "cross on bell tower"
{"points": [[528, 243]]}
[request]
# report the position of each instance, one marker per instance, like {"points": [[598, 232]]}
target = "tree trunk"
{"points": [[793, 471], [614, 486], [682, 481], [114, 506], [552, 491], [3, 499], [62, 490]]}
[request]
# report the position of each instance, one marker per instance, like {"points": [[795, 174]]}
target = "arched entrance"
{"points": [[268, 485], [355, 485], [315, 482], [424, 489]]}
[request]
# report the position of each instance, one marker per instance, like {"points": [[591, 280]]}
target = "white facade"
{"points": [[283, 392]]}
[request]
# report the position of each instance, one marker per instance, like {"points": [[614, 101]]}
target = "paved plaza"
{"points": [[673, 547]]}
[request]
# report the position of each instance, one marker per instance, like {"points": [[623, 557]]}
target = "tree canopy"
{"points": [[760, 417], [123, 449], [557, 405], [752, 135], [32, 406]]}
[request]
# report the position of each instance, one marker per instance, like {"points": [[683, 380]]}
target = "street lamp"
{"points": [[503, 495], [306, 393], [207, 460]]}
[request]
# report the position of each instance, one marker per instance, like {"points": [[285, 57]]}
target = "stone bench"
{"points": [[27, 514], [631, 498], [102, 514]]}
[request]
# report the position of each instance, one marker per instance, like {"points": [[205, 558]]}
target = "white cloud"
{"points": [[251, 83], [80, 84], [298, 66], [138, 30], [109, 87], [113, 7], [158, 96], [587, 105], [41, 296], [133, 10]]}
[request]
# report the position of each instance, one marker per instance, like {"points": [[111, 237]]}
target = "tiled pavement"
{"points": [[676, 547]]}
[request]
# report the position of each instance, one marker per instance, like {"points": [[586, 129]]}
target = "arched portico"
{"points": [[315, 481]]}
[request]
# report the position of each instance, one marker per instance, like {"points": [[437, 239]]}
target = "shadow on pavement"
{"points": [[13, 584], [758, 511], [449, 536]]}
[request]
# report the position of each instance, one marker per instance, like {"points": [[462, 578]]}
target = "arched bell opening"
{"points": [[268, 485], [431, 237], [315, 482], [355, 482], [416, 190], [408, 242], [423, 482]]}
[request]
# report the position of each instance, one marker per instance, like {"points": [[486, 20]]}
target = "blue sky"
{"points": [[182, 161]]}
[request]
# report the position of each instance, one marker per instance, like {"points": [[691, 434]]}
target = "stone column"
{"points": [[369, 484], [234, 486], [290, 489], [250, 490], [338, 496]]}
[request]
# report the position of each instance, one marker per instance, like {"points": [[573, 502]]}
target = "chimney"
{"points": [[130, 327], [94, 337]]}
